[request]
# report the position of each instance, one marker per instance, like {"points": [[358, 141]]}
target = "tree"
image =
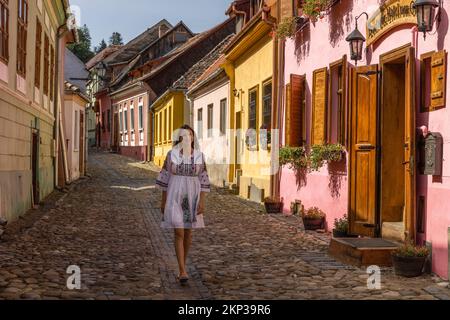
{"points": [[102, 46], [82, 49], [116, 39]]}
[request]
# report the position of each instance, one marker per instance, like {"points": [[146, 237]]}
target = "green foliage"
{"points": [[295, 157], [314, 213], [116, 39], [321, 153], [313, 8], [408, 249], [102, 46], [287, 28], [341, 224], [82, 49]]}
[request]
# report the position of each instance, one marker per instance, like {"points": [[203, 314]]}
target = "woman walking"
{"points": [[184, 181]]}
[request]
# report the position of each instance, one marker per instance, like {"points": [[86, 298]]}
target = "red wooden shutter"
{"points": [[295, 111], [319, 107]]}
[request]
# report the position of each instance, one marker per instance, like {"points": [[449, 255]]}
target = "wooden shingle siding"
{"points": [[295, 111], [319, 107]]}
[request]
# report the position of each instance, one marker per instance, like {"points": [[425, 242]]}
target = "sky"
{"points": [[132, 17]]}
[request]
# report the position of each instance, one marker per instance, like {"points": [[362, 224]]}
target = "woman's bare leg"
{"points": [[187, 243], [179, 249]]}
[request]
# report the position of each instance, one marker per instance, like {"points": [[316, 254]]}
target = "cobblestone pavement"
{"points": [[108, 225]]}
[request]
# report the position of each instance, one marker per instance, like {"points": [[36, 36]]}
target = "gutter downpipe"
{"points": [[57, 112], [274, 187]]}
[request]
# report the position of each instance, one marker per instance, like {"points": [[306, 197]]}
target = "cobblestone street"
{"points": [[108, 225]]}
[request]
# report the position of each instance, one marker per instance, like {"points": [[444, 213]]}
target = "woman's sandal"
{"points": [[182, 279]]}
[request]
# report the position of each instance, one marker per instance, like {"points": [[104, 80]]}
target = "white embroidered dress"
{"points": [[183, 178]]}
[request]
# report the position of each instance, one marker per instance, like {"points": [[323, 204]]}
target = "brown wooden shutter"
{"points": [[287, 8], [319, 107], [295, 111], [438, 79]]}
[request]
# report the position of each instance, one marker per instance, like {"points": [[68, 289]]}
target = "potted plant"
{"points": [[409, 260], [341, 227], [313, 219], [273, 205]]}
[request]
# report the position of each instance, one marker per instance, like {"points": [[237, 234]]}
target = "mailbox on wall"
{"points": [[433, 154]]}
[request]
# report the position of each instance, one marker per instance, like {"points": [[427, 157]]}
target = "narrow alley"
{"points": [[108, 226]]}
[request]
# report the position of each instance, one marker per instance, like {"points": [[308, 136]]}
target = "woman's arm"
{"points": [[201, 203]]}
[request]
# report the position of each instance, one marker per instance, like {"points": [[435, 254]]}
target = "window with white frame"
{"points": [[223, 116]]}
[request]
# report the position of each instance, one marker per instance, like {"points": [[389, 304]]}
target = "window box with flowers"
{"points": [[314, 9]]}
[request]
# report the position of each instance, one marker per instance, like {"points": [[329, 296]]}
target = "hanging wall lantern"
{"points": [[356, 41], [425, 13]]}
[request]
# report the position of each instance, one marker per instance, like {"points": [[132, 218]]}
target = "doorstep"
{"points": [[362, 251]]}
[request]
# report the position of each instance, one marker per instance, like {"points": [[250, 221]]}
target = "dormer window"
{"points": [[255, 5]]}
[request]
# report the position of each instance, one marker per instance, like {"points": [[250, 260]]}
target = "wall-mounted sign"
{"points": [[388, 16]]}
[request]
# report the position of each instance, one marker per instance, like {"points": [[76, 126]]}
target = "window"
{"points": [[210, 120], [160, 127], [120, 121], [103, 121], [38, 54], [252, 105], [132, 119], [4, 30], [22, 24], [223, 116], [46, 64], [52, 76], [170, 123], [125, 120], [200, 123], [165, 125], [141, 120], [109, 120], [337, 112], [255, 5], [76, 133], [267, 105]]}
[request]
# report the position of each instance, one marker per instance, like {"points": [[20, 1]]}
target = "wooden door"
{"points": [[363, 159], [410, 145]]}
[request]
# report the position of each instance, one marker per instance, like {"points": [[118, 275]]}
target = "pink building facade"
{"points": [[320, 45]]}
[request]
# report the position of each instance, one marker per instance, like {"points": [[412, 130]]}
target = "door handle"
{"points": [[366, 147]]}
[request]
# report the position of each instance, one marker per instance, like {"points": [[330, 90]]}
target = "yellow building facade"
{"points": [[170, 112], [250, 69]]}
